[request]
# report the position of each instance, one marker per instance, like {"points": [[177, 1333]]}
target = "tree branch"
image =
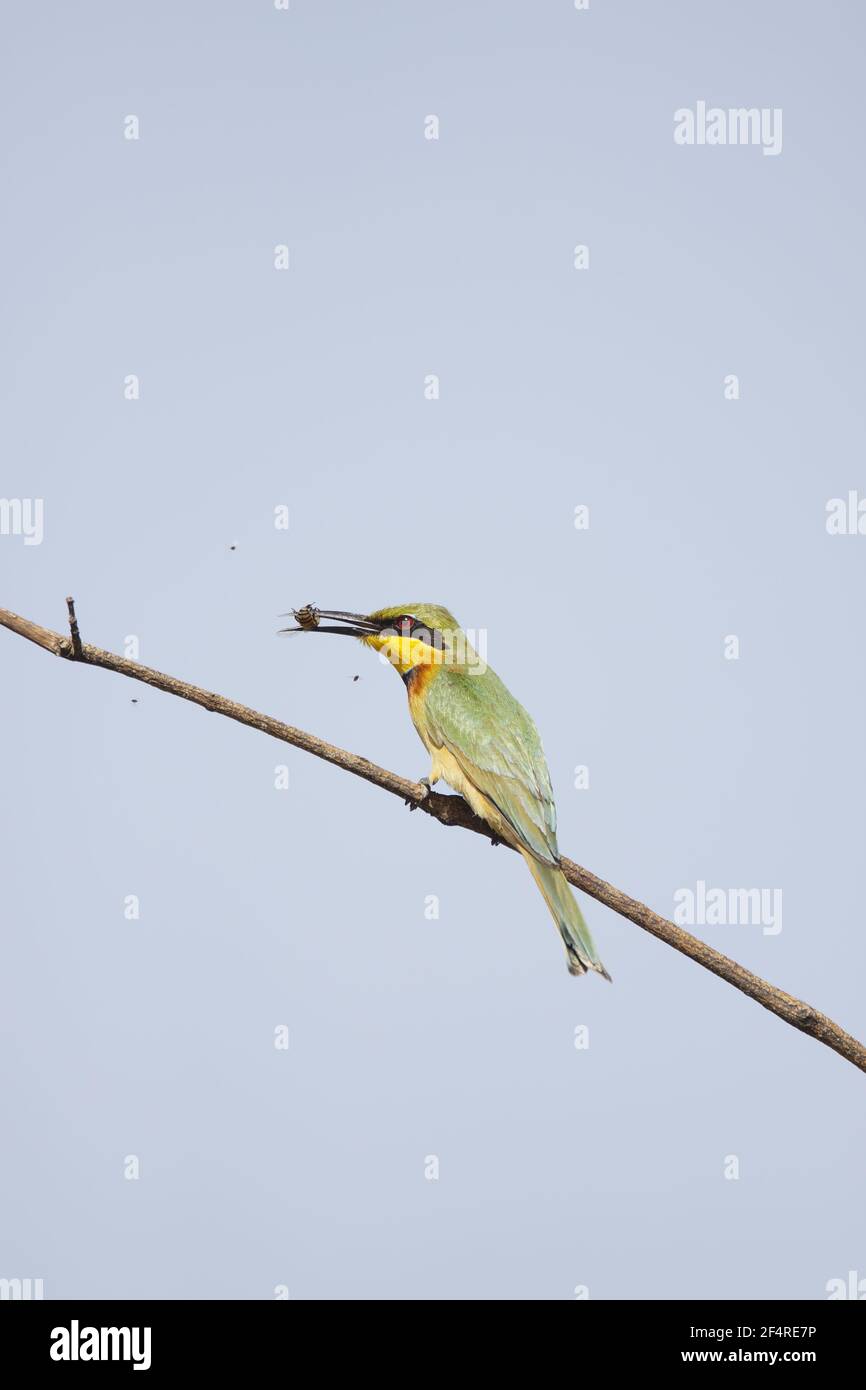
{"points": [[453, 810]]}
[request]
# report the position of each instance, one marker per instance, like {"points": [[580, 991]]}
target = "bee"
{"points": [[306, 617]]}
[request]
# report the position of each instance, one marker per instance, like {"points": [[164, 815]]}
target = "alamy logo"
{"points": [[75, 1343], [853, 1287], [739, 125], [846, 516], [20, 1289], [22, 516], [720, 907], [456, 648]]}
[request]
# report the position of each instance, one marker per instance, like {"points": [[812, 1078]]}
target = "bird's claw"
{"points": [[425, 783], [495, 840]]}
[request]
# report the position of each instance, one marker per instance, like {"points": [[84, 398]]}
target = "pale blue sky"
{"points": [[410, 1037]]}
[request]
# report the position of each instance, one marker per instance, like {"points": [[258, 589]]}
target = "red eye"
{"points": [[404, 626]]}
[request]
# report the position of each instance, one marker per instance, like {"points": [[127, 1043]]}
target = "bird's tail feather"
{"points": [[566, 913]]}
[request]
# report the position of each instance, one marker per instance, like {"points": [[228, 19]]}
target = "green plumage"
{"points": [[499, 748], [464, 708]]}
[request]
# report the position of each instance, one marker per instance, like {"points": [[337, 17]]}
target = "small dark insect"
{"points": [[232, 547], [356, 678], [306, 617], [134, 701]]}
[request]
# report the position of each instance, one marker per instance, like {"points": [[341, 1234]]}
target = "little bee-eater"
{"points": [[481, 741]]}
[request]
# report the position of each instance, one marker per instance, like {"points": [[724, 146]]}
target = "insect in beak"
{"points": [[309, 619]]}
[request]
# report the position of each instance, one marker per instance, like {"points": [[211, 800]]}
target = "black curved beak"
{"points": [[309, 619]]}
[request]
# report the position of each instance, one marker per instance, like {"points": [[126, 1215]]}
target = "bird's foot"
{"points": [[495, 840], [425, 783]]}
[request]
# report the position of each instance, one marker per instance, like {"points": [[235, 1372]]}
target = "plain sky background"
{"points": [[410, 1037]]}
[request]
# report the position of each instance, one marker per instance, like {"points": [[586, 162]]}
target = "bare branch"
{"points": [[73, 628], [453, 810]]}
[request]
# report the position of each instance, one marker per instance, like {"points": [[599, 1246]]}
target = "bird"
{"points": [[481, 742]]}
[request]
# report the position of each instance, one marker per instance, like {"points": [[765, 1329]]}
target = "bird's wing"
{"points": [[498, 748]]}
